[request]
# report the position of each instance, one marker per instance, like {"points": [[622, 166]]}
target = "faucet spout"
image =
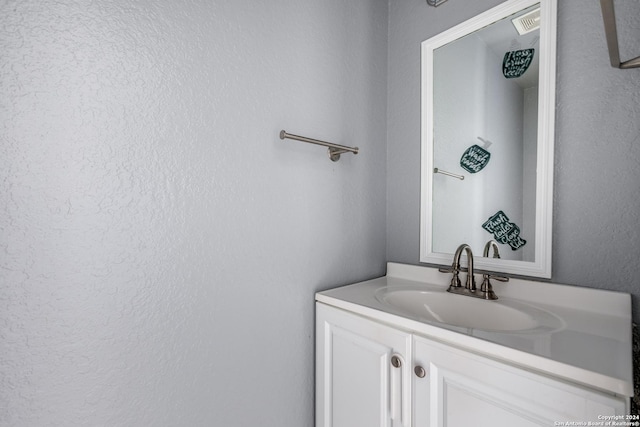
{"points": [[470, 283], [491, 244]]}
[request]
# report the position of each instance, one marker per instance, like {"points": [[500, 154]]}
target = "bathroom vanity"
{"points": [[400, 351]]}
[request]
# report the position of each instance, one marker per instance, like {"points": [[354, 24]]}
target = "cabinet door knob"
{"points": [[396, 362], [420, 372]]}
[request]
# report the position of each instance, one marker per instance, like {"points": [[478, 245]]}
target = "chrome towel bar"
{"points": [[334, 149]]}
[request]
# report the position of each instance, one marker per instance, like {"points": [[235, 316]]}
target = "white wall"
{"points": [[160, 246], [596, 237]]}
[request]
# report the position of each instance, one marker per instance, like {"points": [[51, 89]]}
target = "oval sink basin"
{"points": [[464, 311]]}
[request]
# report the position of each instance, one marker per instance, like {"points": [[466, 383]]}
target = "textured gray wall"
{"points": [[596, 239], [160, 246]]}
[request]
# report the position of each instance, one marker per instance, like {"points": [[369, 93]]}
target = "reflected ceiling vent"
{"points": [[528, 22]]}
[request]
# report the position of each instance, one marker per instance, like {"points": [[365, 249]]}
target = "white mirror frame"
{"points": [[541, 267]]}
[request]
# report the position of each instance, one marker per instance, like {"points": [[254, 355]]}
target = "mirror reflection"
{"points": [[485, 130], [488, 103]]}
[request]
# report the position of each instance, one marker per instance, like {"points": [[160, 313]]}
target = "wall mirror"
{"points": [[488, 110]]}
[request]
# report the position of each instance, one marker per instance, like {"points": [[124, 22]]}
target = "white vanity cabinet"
{"points": [[462, 389], [372, 374], [356, 383]]}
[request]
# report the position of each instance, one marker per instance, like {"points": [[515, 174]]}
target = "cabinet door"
{"points": [[464, 389], [356, 382]]}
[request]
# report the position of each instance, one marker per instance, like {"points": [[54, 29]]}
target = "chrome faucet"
{"points": [[470, 284], [496, 250], [469, 289]]}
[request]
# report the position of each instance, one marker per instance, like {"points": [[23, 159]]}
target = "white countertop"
{"points": [[592, 347]]}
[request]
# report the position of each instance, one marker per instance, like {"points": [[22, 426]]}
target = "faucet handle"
{"points": [[451, 269], [487, 289], [498, 278], [455, 280]]}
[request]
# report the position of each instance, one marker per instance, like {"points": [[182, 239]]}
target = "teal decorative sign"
{"points": [[474, 159], [516, 62], [504, 231]]}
